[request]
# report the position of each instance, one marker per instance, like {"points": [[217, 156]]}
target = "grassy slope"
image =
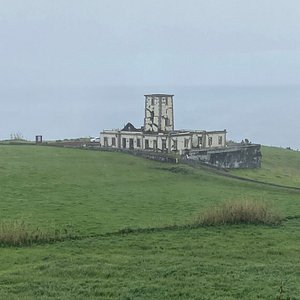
{"points": [[280, 166], [210, 263], [103, 192]]}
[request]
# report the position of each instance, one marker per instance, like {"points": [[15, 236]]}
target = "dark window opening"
{"points": [[175, 145], [123, 142], [186, 143], [220, 140], [167, 122], [105, 142], [200, 141], [164, 144]]}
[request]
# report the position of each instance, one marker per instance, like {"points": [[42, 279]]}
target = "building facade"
{"points": [[158, 133]]}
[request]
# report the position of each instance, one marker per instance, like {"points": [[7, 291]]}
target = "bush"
{"points": [[18, 233], [240, 212]]}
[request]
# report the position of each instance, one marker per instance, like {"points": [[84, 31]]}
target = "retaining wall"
{"points": [[233, 157]]}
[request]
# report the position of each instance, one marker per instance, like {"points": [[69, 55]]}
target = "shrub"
{"points": [[240, 212], [181, 170], [18, 233]]}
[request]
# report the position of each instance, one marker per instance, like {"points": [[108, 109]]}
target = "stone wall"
{"points": [[145, 154], [234, 157]]}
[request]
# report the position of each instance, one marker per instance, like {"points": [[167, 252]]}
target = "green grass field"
{"points": [[96, 194], [280, 166]]}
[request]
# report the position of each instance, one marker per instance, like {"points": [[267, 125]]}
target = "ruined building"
{"points": [[159, 135]]}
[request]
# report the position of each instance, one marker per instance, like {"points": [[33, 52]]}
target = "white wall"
{"points": [[185, 141], [215, 139]]}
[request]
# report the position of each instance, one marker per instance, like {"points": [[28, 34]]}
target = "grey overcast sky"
{"points": [[72, 67]]}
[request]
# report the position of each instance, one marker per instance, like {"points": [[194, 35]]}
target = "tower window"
{"points": [[167, 122]]}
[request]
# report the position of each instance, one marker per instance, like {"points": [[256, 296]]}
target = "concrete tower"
{"points": [[159, 113]]}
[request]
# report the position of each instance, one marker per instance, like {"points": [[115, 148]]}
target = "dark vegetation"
{"points": [[18, 233], [240, 212]]}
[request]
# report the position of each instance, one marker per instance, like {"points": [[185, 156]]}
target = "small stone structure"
{"points": [[38, 139]]}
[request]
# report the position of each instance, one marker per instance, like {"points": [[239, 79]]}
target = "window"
{"points": [[186, 143], [154, 144], [138, 143], [210, 140], [146, 144], [105, 142], [113, 141], [167, 102], [152, 101], [220, 140], [164, 144], [200, 141], [123, 142], [167, 121], [175, 144]]}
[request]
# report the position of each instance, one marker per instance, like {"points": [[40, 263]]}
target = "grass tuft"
{"points": [[240, 212], [19, 233]]}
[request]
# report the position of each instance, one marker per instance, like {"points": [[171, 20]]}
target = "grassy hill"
{"points": [[97, 194], [280, 166]]}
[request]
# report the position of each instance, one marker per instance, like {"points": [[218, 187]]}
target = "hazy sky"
{"points": [[70, 67]]}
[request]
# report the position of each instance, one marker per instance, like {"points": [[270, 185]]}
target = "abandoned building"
{"points": [[159, 135]]}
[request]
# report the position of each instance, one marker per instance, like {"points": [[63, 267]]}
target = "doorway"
{"points": [[131, 145]]}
